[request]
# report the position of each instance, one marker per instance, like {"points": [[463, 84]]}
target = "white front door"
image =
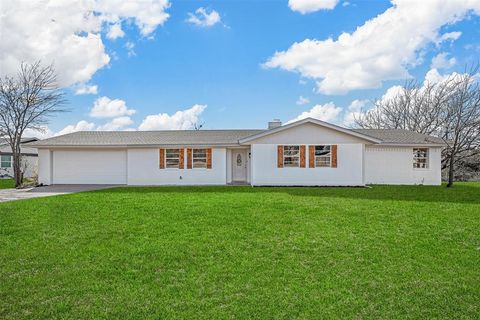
{"points": [[239, 165]]}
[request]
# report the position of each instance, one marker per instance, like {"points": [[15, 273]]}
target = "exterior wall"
{"points": [[44, 166], [143, 169], [349, 171], [229, 165], [29, 161], [89, 167], [394, 165]]}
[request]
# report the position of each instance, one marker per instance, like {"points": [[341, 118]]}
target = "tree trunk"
{"points": [[17, 166], [451, 170]]}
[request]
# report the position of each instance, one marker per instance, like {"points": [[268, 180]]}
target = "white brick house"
{"points": [[308, 152]]}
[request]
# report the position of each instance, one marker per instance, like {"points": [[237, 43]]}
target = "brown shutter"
{"points": [[162, 158], [209, 158], [280, 156], [302, 156], [334, 155], [181, 153], [311, 156], [189, 158]]}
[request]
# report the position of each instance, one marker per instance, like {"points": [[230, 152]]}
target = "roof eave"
{"points": [[403, 144]]}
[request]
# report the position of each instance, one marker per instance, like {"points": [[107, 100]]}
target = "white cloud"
{"points": [[450, 36], [116, 124], [328, 112], [307, 6], [84, 88], [104, 107], [130, 46], [115, 31], [68, 33], [203, 18], [147, 14], [441, 61], [383, 48], [302, 100], [82, 125], [180, 120], [354, 110], [44, 133], [433, 76]]}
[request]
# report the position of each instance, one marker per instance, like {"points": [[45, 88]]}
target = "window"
{"points": [[322, 156], [199, 157], [172, 158], [420, 158], [291, 156], [5, 161]]}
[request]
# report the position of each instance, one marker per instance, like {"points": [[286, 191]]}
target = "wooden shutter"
{"points": [[302, 156], [209, 158], [181, 158], [334, 156], [162, 158], [189, 158], [280, 156], [311, 156]]}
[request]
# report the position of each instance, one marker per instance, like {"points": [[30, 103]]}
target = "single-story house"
{"points": [[308, 152], [29, 158]]}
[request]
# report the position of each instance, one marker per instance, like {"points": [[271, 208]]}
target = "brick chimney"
{"points": [[274, 124]]}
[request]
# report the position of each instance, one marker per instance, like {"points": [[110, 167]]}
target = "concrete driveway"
{"points": [[46, 191]]}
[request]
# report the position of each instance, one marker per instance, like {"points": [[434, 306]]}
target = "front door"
{"points": [[239, 165]]}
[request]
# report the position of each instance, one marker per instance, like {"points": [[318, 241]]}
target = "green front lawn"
{"points": [[241, 253], [7, 183]]}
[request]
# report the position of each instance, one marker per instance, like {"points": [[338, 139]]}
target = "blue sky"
{"points": [[225, 66]]}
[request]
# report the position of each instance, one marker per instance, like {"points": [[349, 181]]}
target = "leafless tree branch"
{"points": [[27, 101]]}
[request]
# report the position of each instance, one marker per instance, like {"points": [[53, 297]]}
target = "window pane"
{"points": [[172, 163], [322, 161], [200, 163], [291, 156], [291, 150], [172, 153], [172, 158], [5, 161], [200, 153], [420, 158], [322, 150], [291, 162], [199, 158]]}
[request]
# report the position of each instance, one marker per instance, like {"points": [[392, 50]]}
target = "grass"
{"points": [[238, 252], [7, 183]]}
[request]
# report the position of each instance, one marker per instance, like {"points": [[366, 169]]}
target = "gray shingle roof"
{"points": [[140, 138], [206, 137], [400, 136]]}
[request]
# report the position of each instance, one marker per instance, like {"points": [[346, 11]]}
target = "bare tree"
{"points": [[462, 124], [416, 107], [27, 100], [449, 109]]}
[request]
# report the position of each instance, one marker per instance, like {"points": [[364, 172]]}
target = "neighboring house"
{"points": [[308, 152], [29, 158]]}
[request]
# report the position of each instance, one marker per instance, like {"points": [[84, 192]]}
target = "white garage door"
{"points": [[90, 167]]}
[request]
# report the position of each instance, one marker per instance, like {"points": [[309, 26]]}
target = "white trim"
{"points": [[309, 120]]}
